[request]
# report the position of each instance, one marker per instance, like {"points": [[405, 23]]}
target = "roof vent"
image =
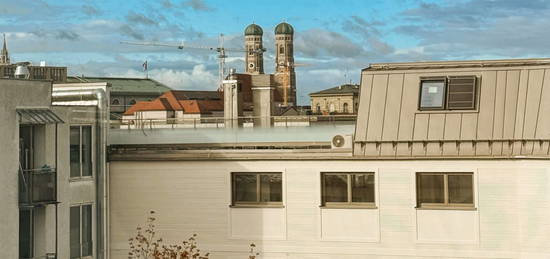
{"points": [[22, 71]]}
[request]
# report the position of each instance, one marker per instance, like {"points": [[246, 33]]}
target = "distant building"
{"points": [[181, 107], [126, 92], [343, 99], [42, 72], [283, 81], [4, 55]]}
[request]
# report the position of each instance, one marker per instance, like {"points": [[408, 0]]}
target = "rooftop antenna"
{"points": [[346, 75]]}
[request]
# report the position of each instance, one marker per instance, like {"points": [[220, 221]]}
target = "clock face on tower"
{"points": [[251, 65]]}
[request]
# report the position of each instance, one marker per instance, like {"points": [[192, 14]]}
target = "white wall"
{"points": [[512, 201]]}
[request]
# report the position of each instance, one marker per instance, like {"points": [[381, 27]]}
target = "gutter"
{"points": [[97, 97]]}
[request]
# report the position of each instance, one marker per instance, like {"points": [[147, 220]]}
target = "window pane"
{"points": [[75, 232], [87, 230], [336, 188], [432, 94], [271, 188], [86, 150], [75, 151], [431, 189], [245, 187], [461, 189], [362, 188]]}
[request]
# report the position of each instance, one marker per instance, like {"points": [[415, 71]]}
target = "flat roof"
{"points": [[322, 133], [457, 64]]}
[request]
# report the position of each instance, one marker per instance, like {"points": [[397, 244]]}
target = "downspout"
{"points": [[71, 98]]}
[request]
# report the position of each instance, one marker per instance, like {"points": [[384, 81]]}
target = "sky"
{"points": [[334, 39]]}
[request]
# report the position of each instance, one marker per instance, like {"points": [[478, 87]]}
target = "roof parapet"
{"points": [[457, 64]]}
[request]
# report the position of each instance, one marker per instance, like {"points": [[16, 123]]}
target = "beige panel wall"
{"points": [[512, 204], [510, 101]]}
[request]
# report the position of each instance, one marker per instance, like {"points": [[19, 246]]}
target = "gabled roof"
{"points": [[342, 89], [140, 105], [177, 101], [126, 85]]}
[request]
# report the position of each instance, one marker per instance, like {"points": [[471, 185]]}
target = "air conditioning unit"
{"points": [[342, 141]]}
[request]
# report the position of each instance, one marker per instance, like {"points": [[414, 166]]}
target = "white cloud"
{"points": [[197, 79]]}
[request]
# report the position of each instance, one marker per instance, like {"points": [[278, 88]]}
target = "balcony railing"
{"points": [[37, 186], [245, 121]]}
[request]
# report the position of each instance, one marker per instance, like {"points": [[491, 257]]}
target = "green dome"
{"points": [[253, 29], [284, 28]]}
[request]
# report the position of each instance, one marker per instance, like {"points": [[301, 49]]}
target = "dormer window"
{"points": [[447, 93]]}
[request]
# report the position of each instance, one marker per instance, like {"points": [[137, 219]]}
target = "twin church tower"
{"points": [[284, 78]]}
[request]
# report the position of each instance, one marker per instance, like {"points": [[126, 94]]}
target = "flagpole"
{"points": [[145, 69]]}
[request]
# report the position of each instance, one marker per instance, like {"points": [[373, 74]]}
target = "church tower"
{"points": [[4, 56], [254, 57], [284, 58]]}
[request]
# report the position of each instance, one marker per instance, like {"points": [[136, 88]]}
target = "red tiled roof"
{"points": [[201, 106], [136, 107]]}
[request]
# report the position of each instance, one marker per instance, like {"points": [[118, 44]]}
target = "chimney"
{"points": [[232, 101], [262, 96]]}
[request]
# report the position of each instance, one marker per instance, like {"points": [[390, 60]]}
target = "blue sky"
{"points": [[335, 38]]}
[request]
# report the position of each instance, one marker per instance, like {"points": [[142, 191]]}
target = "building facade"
{"points": [[343, 99], [53, 161], [448, 160]]}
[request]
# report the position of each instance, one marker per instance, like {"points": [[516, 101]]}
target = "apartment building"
{"points": [[447, 160], [53, 155]]}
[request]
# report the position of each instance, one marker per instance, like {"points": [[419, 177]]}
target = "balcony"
{"points": [[37, 186]]}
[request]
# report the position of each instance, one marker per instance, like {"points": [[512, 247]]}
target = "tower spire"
{"points": [[4, 56]]}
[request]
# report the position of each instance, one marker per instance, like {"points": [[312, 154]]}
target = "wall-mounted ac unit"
{"points": [[342, 141]]}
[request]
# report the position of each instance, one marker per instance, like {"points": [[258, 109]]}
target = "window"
{"points": [[115, 102], [448, 93], [347, 189], [445, 190], [132, 102], [345, 108], [253, 189], [81, 151], [81, 231], [281, 50]]}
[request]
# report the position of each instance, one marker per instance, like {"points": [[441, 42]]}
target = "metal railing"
{"points": [[37, 186], [220, 122]]}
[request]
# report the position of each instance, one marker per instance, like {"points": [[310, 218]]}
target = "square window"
{"points": [[432, 94], [257, 189], [444, 190], [448, 93], [348, 189]]}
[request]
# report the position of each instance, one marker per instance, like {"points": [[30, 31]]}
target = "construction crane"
{"points": [[221, 50]]}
